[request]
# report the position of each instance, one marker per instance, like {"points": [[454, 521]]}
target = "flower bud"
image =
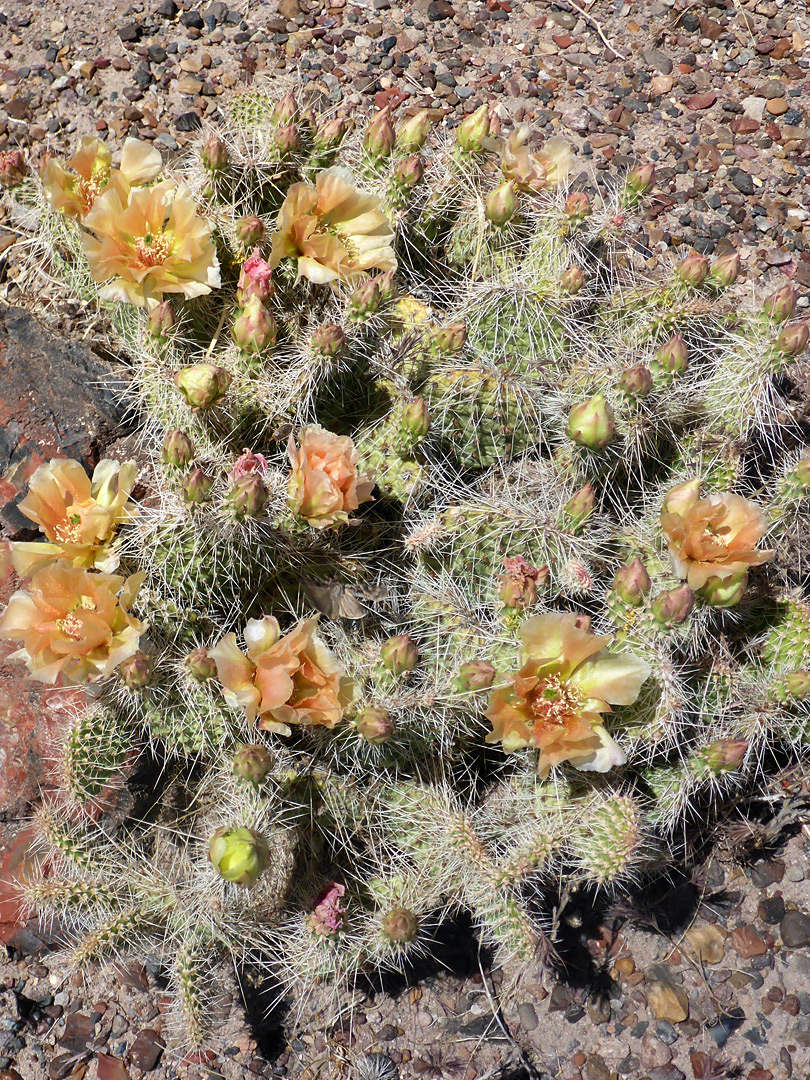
{"points": [[632, 583], [673, 607], [673, 355], [196, 487], [577, 206], [330, 136], [379, 137], [161, 321], [415, 420], [255, 280], [792, 339], [374, 724], [636, 381], [177, 450], [261, 635], [399, 654], [501, 205], [400, 925], [640, 180], [248, 496], [693, 270], [725, 270], [250, 231], [722, 756], [365, 300], [13, 169], [327, 341], [136, 671], [238, 855], [473, 129], [725, 592], [781, 304], [249, 462], [797, 685], [591, 423], [287, 139], [580, 506], [449, 339], [214, 154], [202, 385], [802, 472], [475, 675], [285, 111], [254, 328], [253, 763], [572, 281], [200, 665], [413, 134], [409, 172], [386, 283], [308, 119]]}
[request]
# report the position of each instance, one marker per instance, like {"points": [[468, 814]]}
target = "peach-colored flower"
{"points": [[72, 623], [568, 679], [333, 231], [150, 243], [545, 168], [286, 680], [712, 537], [79, 515], [73, 193], [324, 485]]}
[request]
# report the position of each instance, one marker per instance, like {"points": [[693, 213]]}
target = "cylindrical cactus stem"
{"points": [[97, 747], [191, 974], [63, 896], [63, 836], [112, 936], [609, 842], [525, 861]]}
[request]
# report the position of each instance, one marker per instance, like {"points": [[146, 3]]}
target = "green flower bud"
{"points": [[413, 134], [214, 155], [387, 286], [792, 339], [239, 855], [501, 205], [725, 270], [327, 341], [287, 139], [380, 137], [722, 756], [202, 385], [725, 592], [374, 724], [409, 172], [329, 137], [672, 356], [780, 305], [136, 671], [196, 487], [254, 328], [632, 583], [415, 421], [399, 654], [802, 472], [572, 281], [251, 231], [248, 496], [580, 506], [161, 321], [365, 300], [475, 675], [177, 450], [797, 685], [673, 607], [253, 763], [473, 129], [200, 665], [285, 111], [693, 270], [400, 925], [577, 206], [640, 180], [449, 339], [636, 381], [591, 423]]}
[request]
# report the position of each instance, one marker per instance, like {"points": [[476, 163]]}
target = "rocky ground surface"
{"points": [[713, 981]]}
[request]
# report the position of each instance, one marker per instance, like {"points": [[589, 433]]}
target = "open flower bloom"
{"points": [[324, 485], [568, 679], [73, 623], [73, 193], [149, 244], [333, 231], [286, 680], [545, 168], [79, 515], [715, 537]]}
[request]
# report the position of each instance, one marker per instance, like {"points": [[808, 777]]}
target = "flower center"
{"points": [[554, 703], [69, 531], [152, 250], [70, 627]]}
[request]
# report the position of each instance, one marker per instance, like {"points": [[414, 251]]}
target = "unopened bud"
{"points": [[591, 423], [253, 763], [161, 321], [473, 129], [572, 280], [413, 134], [255, 280], [673, 355], [238, 855], [387, 286], [501, 205], [380, 137], [214, 155], [577, 206], [200, 665], [632, 583], [475, 675], [202, 385], [365, 300], [196, 487], [409, 172], [797, 685], [400, 925], [724, 592], [636, 381], [449, 339], [136, 671], [725, 270], [254, 328], [251, 231], [248, 496], [793, 339], [331, 135], [287, 139], [416, 419], [802, 472], [580, 506], [327, 341], [722, 756], [640, 180], [177, 450], [285, 110], [693, 270], [308, 119], [13, 169], [781, 304], [673, 607], [399, 654], [374, 725]]}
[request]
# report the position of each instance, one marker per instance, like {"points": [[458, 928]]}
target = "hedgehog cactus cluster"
{"points": [[461, 558]]}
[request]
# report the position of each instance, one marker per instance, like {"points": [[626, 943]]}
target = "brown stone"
{"points": [[111, 1068], [777, 106], [707, 943], [145, 1052], [701, 101], [744, 125], [667, 1002], [746, 942]]}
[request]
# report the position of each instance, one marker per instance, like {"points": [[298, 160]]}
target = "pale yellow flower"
{"points": [[73, 192], [286, 680], [333, 231], [79, 515], [324, 484], [554, 703], [72, 623], [153, 244], [714, 537], [545, 168]]}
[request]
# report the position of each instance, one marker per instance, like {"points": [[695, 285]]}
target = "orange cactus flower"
{"points": [[334, 231], [78, 514], [324, 485], [73, 192], [554, 703], [73, 624], [714, 537], [283, 680]]}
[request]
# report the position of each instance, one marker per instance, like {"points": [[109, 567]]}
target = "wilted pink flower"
{"points": [[328, 919], [256, 280], [249, 463]]}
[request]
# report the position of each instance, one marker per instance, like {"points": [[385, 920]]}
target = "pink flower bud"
{"points": [[636, 381], [399, 654], [400, 925], [285, 111], [13, 169], [501, 204], [374, 725], [251, 231], [725, 270], [520, 583], [161, 321], [413, 134], [722, 756], [253, 763], [136, 671], [196, 487], [580, 506], [572, 281], [200, 665], [792, 339], [327, 341], [409, 172], [249, 463], [577, 206], [331, 135], [254, 329], [632, 583], [473, 129], [202, 385], [693, 270], [255, 279], [287, 139], [379, 137], [214, 154], [365, 300], [386, 283], [781, 304], [177, 450], [449, 339], [673, 355], [591, 423], [248, 495], [673, 607], [475, 675], [725, 592], [640, 180]]}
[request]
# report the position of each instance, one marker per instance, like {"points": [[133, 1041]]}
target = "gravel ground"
{"points": [[715, 980]]}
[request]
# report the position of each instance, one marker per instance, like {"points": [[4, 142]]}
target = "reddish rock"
{"points": [[701, 101], [746, 942], [391, 99], [565, 41], [110, 1068], [145, 1052], [744, 125]]}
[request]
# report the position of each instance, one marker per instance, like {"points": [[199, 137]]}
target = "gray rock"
{"points": [[795, 929]]}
